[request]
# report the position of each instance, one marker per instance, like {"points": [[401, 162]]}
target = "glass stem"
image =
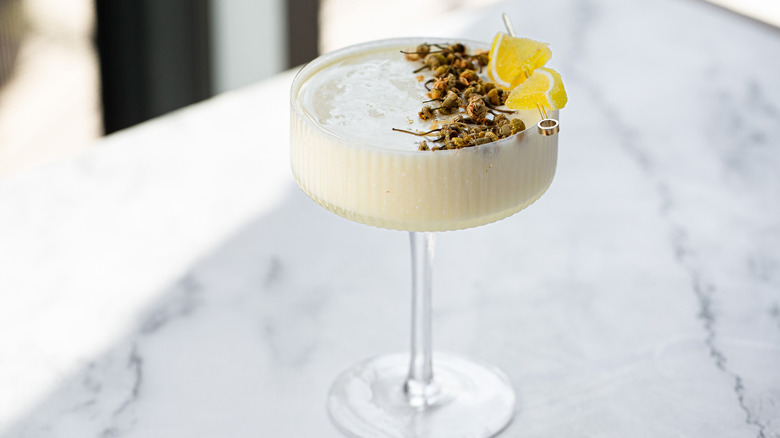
{"points": [[421, 390]]}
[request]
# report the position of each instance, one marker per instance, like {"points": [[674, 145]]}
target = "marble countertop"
{"points": [[174, 282]]}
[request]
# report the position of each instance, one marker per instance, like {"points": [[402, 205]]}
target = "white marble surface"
{"points": [[175, 283]]}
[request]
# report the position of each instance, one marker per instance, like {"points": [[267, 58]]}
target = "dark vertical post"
{"points": [[154, 57], [302, 31], [12, 30]]}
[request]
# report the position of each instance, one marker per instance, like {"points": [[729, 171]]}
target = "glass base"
{"points": [[470, 400]]}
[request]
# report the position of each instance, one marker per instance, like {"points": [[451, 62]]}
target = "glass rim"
{"points": [[322, 61]]}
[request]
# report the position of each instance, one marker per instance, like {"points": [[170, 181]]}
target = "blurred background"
{"points": [[72, 71]]}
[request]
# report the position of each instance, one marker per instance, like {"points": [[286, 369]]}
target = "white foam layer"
{"points": [[364, 97]]}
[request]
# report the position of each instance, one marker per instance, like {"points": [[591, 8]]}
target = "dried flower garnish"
{"points": [[458, 89]]}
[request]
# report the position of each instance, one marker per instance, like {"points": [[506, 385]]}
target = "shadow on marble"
{"points": [[247, 342]]}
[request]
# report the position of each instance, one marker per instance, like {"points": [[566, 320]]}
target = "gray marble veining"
{"points": [[175, 282]]}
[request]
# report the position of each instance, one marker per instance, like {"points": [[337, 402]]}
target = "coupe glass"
{"points": [[417, 394]]}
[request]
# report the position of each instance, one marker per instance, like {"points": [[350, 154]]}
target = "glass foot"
{"points": [[471, 400]]}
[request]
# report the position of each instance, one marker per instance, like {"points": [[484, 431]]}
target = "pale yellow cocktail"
{"points": [[346, 156]]}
